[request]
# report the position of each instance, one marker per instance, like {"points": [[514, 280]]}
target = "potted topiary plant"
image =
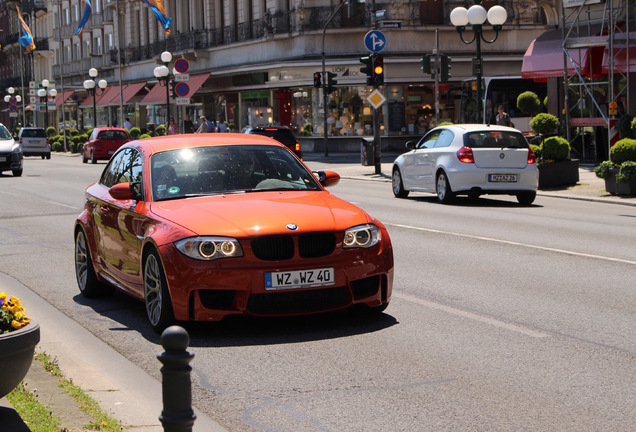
{"points": [[555, 166], [619, 172], [135, 132]]}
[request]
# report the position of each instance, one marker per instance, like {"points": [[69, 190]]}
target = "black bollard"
{"points": [[177, 414]]}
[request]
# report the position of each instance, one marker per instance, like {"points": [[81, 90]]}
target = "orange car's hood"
{"points": [[261, 213]]}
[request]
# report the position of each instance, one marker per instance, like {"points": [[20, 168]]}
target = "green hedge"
{"points": [[624, 150], [544, 123], [556, 149]]}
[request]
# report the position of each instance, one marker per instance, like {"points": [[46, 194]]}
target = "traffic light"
{"points": [[331, 82], [426, 63], [367, 61], [445, 67], [172, 92], [317, 79], [378, 70]]}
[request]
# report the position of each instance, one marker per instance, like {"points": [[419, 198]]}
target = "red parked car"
{"points": [[103, 143]]}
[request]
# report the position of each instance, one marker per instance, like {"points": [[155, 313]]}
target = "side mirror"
{"points": [[410, 145], [327, 178], [122, 191]]}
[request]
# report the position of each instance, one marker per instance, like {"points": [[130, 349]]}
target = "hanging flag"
{"points": [[27, 37], [156, 6], [87, 13]]}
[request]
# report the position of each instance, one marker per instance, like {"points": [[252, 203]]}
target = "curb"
{"points": [[120, 387]]}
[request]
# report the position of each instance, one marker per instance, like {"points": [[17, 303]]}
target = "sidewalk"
{"points": [[348, 165], [123, 390]]}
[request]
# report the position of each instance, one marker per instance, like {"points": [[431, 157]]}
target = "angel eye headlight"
{"points": [[209, 248], [362, 236]]}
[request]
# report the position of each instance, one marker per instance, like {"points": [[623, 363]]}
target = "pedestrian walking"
{"points": [[203, 125], [172, 129], [503, 119], [127, 124], [188, 126]]}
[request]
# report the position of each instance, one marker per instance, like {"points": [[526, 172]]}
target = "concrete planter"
{"points": [[16, 355], [564, 173], [614, 188]]}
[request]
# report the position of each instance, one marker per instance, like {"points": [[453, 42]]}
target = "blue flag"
{"points": [[156, 6], [87, 13], [27, 37]]}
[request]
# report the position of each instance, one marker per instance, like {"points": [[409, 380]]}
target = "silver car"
{"points": [[468, 159], [35, 142], [11, 157]]}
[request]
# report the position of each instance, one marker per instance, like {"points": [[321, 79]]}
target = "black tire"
{"points": [[397, 184], [43, 156], [84, 159], [87, 281], [48, 156], [93, 160], [17, 172], [443, 189], [526, 198], [156, 295]]}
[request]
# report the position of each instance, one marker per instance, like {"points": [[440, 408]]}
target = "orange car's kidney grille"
{"points": [[281, 247], [316, 244], [281, 303]]}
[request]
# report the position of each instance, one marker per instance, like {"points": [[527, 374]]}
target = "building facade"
{"points": [[248, 55]]}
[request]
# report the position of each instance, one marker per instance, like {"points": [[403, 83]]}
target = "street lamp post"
{"points": [[92, 87], [44, 96], [13, 101], [162, 73], [325, 96], [476, 16]]}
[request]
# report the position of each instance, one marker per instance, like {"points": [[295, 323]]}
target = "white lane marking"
{"points": [[472, 316], [64, 205], [494, 240]]}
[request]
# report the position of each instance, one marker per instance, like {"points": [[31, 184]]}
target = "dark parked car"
{"points": [[34, 142], [282, 134], [103, 143]]}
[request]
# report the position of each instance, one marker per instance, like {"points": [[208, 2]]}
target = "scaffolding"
{"points": [[593, 92]]}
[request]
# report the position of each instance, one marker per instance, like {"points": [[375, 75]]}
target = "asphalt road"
{"points": [[503, 317]]}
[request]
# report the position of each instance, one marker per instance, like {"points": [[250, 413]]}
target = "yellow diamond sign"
{"points": [[376, 99]]}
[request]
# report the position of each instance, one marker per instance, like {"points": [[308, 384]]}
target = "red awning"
{"points": [[157, 94], [131, 90], [544, 58], [60, 99], [621, 64], [108, 93], [111, 93]]}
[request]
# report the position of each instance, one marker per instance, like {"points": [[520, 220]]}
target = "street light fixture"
{"points": [[476, 16], [92, 87], [42, 93], [162, 73]]}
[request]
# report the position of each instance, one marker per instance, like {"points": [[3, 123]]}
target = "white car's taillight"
{"points": [[465, 155], [532, 158]]}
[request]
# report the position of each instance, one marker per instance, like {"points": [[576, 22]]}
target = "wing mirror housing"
{"points": [[123, 191], [327, 178]]}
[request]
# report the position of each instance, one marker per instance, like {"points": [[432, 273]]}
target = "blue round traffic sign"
{"points": [[375, 41], [181, 65], [182, 89]]}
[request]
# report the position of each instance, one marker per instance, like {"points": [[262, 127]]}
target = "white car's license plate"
{"points": [[502, 178], [299, 279]]}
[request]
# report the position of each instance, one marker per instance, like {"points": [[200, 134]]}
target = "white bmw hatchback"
{"points": [[468, 159]]}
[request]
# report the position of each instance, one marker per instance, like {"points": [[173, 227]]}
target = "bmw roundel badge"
{"points": [[502, 155], [292, 227]]}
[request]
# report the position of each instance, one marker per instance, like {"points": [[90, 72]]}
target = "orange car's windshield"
{"points": [[214, 170]]}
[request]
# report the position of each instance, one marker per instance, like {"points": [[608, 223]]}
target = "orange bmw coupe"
{"points": [[204, 226]]}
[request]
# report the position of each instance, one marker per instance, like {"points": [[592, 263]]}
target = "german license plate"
{"points": [[502, 178], [299, 279]]}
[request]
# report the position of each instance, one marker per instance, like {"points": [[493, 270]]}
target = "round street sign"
{"points": [[13, 108], [375, 41], [181, 65], [182, 89]]}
